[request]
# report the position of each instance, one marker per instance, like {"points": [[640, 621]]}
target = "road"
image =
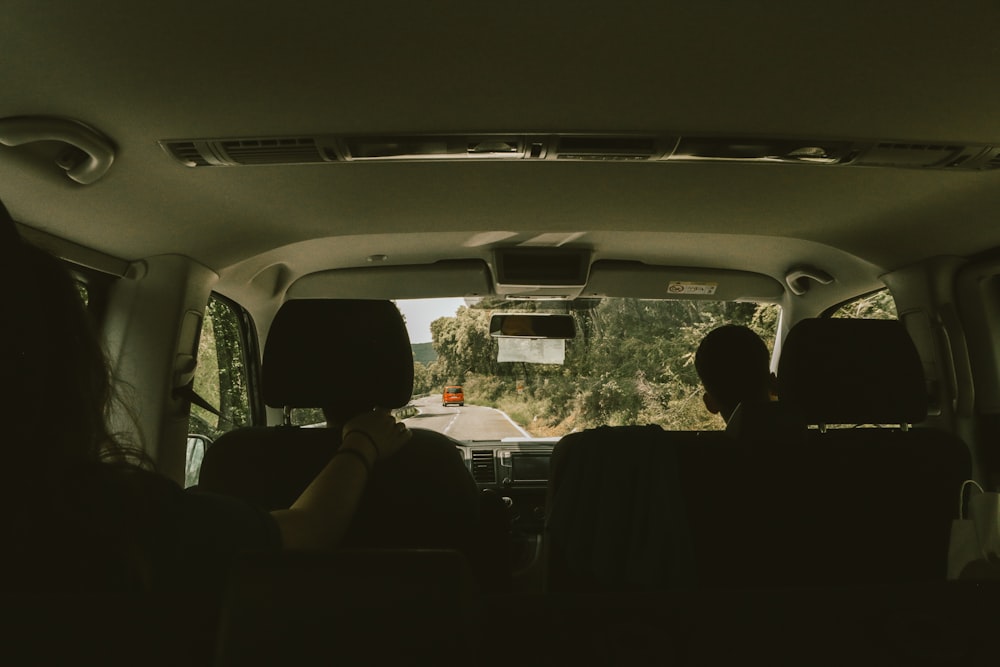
{"points": [[470, 422]]}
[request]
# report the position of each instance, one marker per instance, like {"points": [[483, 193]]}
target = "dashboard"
{"points": [[517, 470]]}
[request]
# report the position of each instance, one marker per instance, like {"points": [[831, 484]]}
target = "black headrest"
{"points": [[347, 354], [843, 371]]}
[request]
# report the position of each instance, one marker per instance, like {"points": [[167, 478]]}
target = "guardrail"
{"points": [[406, 411]]}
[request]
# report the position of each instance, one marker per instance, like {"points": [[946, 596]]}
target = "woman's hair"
{"points": [[59, 373], [81, 522]]}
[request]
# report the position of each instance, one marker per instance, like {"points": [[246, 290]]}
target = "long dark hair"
{"points": [[82, 489], [63, 388]]}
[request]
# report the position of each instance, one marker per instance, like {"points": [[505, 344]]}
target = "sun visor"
{"points": [[446, 278], [647, 281]]}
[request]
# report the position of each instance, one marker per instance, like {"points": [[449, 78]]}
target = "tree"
{"points": [[423, 380]]}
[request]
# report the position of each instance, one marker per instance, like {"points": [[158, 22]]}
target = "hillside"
{"points": [[424, 353]]}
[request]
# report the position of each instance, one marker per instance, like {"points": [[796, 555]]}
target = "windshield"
{"points": [[631, 362]]}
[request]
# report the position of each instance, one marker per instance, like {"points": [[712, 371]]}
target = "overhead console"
{"points": [[589, 147], [541, 273]]}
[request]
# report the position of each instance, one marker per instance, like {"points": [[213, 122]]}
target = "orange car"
{"points": [[453, 394]]}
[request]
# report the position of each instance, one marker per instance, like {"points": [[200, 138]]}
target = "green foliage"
{"points": [[877, 306], [424, 353], [487, 389], [221, 377], [423, 380]]}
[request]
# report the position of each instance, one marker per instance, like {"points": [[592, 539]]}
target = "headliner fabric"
{"points": [[350, 353], [841, 371]]}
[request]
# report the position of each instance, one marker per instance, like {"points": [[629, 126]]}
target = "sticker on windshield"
{"points": [[687, 287]]}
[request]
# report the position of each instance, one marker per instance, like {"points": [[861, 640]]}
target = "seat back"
{"points": [[615, 515], [833, 506], [364, 607], [834, 509], [788, 506]]}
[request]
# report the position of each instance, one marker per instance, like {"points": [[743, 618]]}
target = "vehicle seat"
{"points": [[353, 354], [615, 517], [350, 607], [840, 506], [772, 420], [854, 372], [847, 371]]}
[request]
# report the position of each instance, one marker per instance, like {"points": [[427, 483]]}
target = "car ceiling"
{"points": [[141, 73]]}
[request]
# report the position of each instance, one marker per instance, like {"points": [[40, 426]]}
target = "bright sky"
{"points": [[419, 314]]}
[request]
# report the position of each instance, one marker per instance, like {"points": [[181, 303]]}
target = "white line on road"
{"points": [[513, 423], [448, 427]]}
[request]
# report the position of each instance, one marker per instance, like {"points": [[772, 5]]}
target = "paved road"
{"points": [[470, 422]]}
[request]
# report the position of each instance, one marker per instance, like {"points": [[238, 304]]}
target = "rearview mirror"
{"points": [[532, 325]]}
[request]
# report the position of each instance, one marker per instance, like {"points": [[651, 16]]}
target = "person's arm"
{"points": [[322, 514]]}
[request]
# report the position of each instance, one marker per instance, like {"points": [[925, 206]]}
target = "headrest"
{"points": [[346, 354], [843, 371]]}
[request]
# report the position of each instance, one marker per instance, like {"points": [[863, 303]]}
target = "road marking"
{"points": [[448, 427], [513, 423]]}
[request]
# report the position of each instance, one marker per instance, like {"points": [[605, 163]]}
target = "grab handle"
{"points": [[99, 152]]}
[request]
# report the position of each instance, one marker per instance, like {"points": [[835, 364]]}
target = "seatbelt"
{"points": [[187, 392]]}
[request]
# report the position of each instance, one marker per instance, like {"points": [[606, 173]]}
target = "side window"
{"points": [[84, 292], [875, 306], [226, 354], [308, 417]]}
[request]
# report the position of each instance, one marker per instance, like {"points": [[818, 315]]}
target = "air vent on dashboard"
{"points": [[483, 469]]}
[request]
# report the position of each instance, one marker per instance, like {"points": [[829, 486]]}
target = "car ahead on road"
{"points": [[653, 169], [452, 395]]}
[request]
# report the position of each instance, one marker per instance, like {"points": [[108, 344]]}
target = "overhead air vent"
{"points": [[483, 469], [188, 154], [607, 148], [249, 152], [898, 154], [273, 151], [531, 147], [986, 159], [445, 147], [747, 149]]}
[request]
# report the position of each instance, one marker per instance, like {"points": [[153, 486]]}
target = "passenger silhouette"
{"points": [[91, 514], [734, 366]]}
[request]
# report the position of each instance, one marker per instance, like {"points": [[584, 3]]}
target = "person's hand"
{"points": [[377, 433]]}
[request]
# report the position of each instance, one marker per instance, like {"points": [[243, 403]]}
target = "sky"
{"points": [[419, 314]]}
